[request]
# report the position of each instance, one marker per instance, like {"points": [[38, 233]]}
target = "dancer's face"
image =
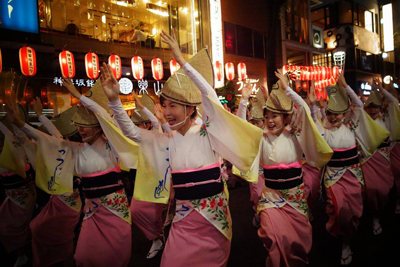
{"points": [[275, 122], [258, 123], [334, 119], [89, 134], [373, 111], [175, 113]]}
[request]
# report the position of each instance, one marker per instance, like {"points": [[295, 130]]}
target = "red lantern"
{"points": [[174, 66], [92, 65], [285, 69], [137, 67], [67, 64], [157, 68], [115, 62], [242, 73], [335, 71], [230, 71], [218, 70], [1, 62], [27, 61]]}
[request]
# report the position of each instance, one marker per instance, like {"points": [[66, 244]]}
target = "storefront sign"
{"points": [[253, 83], [216, 37], [76, 82], [366, 88], [19, 15]]}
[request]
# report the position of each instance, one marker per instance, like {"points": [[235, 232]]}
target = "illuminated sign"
{"points": [[387, 16], [77, 82], [318, 37], [366, 88], [19, 15], [216, 36], [253, 83]]}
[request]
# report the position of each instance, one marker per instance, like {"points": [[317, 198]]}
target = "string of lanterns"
{"points": [[323, 76]]}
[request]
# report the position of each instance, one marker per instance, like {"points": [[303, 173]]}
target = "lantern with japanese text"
{"points": [[242, 73], [230, 71], [174, 66], [115, 63], [67, 64], [92, 65], [218, 70], [157, 68], [137, 67], [27, 61]]}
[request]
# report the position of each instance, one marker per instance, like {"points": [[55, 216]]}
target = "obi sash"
{"points": [[281, 177], [198, 184], [101, 184], [344, 157], [13, 180]]}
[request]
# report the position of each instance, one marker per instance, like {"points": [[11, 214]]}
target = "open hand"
{"points": [[312, 96], [159, 114], [246, 91], [37, 106], [71, 88], [264, 92], [137, 100], [109, 84], [173, 45], [342, 80], [282, 78]]}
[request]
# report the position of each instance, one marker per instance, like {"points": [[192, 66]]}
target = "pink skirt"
{"points": [[379, 180], [255, 190], [194, 242], [287, 235], [344, 206], [395, 166], [148, 217], [105, 240], [312, 184], [53, 233], [14, 224]]}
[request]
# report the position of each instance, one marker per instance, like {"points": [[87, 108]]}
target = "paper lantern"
{"points": [[27, 61], [242, 73], [285, 69], [230, 71], [92, 65], [137, 67], [157, 68], [174, 66], [67, 64], [218, 70], [335, 71], [115, 62]]}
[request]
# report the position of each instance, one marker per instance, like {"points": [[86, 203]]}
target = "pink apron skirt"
{"points": [[194, 242], [312, 183], [53, 233], [287, 235], [148, 217], [379, 180], [105, 240], [344, 205]]}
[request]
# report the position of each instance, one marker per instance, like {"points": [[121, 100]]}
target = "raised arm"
{"points": [[110, 87], [353, 96], [246, 92], [38, 108]]}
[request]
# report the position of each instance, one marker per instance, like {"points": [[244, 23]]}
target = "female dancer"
{"points": [[105, 236], [343, 176], [285, 229], [201, 231]]}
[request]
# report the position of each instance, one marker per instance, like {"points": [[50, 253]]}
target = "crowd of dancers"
{"points": [[284, 146]]}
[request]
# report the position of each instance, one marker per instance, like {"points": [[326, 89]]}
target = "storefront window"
{"points": [[323, 60], [296, 20], [137, 22]]}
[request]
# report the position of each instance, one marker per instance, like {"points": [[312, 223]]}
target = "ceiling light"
{"points": [[158, 10]]}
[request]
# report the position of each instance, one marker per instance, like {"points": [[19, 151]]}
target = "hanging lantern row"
{"points": [[230, 71], [321, 93], [27, 61], [311, 73], [174, 66], [324, 83], [115, 62]]}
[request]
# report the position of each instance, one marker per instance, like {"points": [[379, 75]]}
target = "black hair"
{"points": [[192, 116], [285, 115], [234, 108]]}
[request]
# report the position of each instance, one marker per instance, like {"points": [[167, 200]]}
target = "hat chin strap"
{"points": [[275, 130], [180, 123], [338, 123], [88, 137]]}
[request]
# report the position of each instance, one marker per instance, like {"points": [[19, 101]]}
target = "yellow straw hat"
{"points": [[181, 89], [85, 117], [338, 101], [374, 98], [256, 112], [138, 116], [63, 122], [148, 102], [278, 101]]}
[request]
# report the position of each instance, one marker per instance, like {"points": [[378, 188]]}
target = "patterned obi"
{"points": [[13, 180], [100, 184], [283, 176], [344, 157], [197, 184]]}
